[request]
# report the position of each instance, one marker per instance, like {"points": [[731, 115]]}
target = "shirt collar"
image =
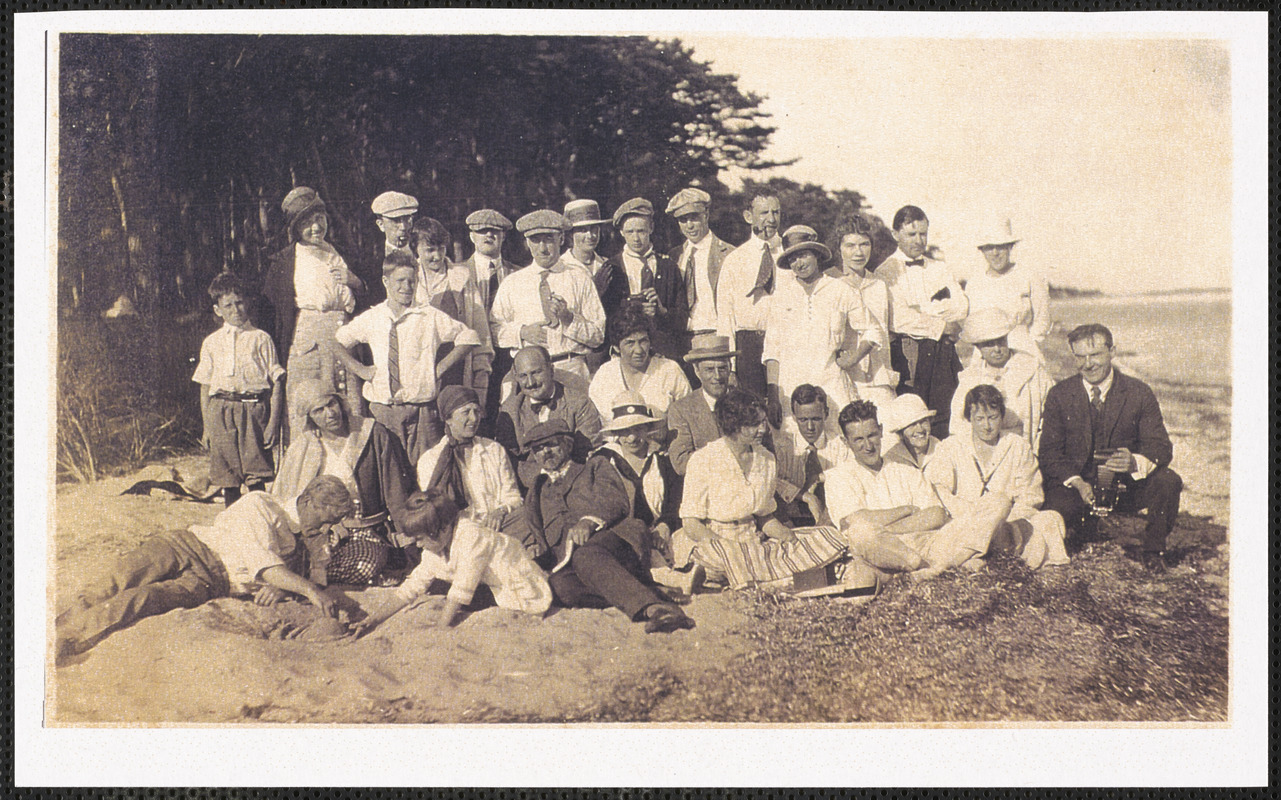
{"points": [[1104, 387], [627, 253], [557, 390], [555, 477], [228, 329], [396, 318], [702, 245]]}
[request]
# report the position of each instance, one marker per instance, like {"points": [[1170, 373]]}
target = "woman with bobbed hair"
{"points": [[637, 367], [727, 508], [991, 462]]}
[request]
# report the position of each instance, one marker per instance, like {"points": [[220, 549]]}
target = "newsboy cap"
{"points": [[687, 200], [394, 204], [551, 429], [544, 220], [487, 218], [637, 206]]}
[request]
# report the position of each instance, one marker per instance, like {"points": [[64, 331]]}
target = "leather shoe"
{"points": [[665, 618], [1152, 560]]}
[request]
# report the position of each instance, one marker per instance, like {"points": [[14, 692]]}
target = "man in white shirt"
{"points": [[488, 230], [813, 320], [547, 303], [474, 471], [804, 450], [401, 386], [927, 307], [891, 516], [699, 259], [251, 548], [744, 289]]}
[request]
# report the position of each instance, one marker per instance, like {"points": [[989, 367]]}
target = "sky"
{"points": [[1111, 156]]}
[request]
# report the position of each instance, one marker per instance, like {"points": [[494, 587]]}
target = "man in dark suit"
{"points": [[1103, 423], [639, 270], [544, 394], [580, 532], [690, 418], [699, 259]]}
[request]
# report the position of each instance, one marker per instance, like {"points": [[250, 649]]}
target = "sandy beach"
{"points": [[233, 662]]}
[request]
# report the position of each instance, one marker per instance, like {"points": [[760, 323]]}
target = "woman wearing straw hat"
{"points": [[311, 290], [909, 417], [369, 460], [632, 436], [988, 462], [1018, 375], [1016, 289], [813, 321], [586, 232]]}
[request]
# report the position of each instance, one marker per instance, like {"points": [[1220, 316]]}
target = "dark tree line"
{"points": [[176, 150]]}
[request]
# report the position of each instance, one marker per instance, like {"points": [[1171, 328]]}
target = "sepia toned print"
{"points": [[365, 416]]}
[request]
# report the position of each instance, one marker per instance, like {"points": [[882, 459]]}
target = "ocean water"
{"points": [[1178, 338]]}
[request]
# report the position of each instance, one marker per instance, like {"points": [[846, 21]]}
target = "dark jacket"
{"points": [[1131, 419], [672, 486], [587, 490], [670, 324]]}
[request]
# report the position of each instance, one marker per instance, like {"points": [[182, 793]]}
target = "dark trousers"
{"points": [[167, 571], [501, 365], [1159, 493], [749, 364], [928, 369], [607, 571]]}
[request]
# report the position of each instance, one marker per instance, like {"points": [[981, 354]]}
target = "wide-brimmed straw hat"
{"points": [[904, 410], [628, 410], [798, 238], [997, 232], [986, 325], [707, 346]]}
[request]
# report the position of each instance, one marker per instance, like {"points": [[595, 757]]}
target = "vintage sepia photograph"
{"points": [[808, 375]]}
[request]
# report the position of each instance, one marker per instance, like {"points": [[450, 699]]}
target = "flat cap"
{"points": [[544, 220], [550, 429], [687, 200], [488, 218], [636, 206], [394, 204]]}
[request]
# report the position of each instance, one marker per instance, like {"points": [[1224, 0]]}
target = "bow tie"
{"points": [[916, 262]]}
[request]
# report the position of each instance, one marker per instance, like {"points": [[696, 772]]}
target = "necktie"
{"points": [[493, 279], [1096, 399], [647, 274], [1096, 414], [393, 360], [691, 285], [765, 274], [813, 469], [545, 297], [448, 474]]}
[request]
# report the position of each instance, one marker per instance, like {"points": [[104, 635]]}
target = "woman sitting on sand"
{"points": [[993, 461], [465, 554], [728, 506], [366, 457]]}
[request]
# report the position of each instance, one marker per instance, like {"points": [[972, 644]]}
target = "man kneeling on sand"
{"points": [[252, 548], [893, 518]]}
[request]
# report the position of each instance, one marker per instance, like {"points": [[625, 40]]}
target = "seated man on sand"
{"points": [[541, 395], [580, 532], [251, 549], [892, 517], [804, 451]]}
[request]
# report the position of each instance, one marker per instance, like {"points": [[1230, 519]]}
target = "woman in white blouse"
{"points": [[1016, 289], [990, 463], [728, 505]]}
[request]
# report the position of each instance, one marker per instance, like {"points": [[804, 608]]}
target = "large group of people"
{"points": [[625, 430]]}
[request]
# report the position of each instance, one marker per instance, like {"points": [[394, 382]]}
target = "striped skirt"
{"points": [[746, 560]]}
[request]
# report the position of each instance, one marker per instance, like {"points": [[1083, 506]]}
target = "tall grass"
{"points": [[121, 400]]}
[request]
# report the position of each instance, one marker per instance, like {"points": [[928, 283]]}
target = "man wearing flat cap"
{"points": [[699, 258], [639, 271], [580, 531], [394, 214], [547, 303], [487, 230]]}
